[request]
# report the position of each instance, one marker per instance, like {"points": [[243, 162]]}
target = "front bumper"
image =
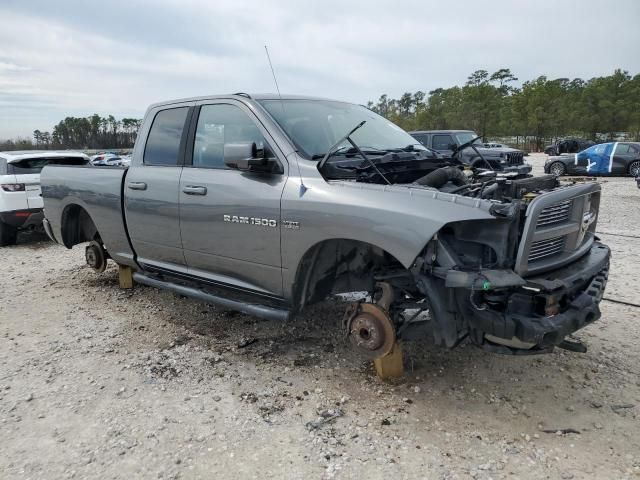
{"points": [[537, 316], [23, 219]]}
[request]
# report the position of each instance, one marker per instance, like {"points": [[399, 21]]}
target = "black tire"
{"points": [[557, 168], [634, 168], [8, 235]]}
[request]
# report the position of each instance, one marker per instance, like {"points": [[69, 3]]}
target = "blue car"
{"points": [[612, 158]]}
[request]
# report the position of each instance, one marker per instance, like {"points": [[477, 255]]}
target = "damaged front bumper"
{"points": [[536, 313]]}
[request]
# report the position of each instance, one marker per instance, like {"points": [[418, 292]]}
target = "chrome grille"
{"points": [[546, 248], [554, 214], [515, 158]]}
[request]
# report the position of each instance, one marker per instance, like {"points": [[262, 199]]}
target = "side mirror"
{"points": [[453, 147], [247, 157]]}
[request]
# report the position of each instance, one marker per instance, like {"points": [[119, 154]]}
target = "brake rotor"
{"points": [[370, 330], [96, 257]]}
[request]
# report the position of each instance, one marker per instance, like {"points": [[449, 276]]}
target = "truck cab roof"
{"points": [[243, 97]]}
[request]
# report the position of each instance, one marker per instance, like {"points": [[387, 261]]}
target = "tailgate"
{"points": [[32, 189]]}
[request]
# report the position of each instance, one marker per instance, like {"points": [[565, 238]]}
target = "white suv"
{"points": [[20, 199]]}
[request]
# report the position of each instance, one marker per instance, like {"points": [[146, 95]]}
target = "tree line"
{"points": [[491, 104], [539, 110], [93, 132]]}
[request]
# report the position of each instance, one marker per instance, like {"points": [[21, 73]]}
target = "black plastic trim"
{"points": [[244, 294], [258, 310]]}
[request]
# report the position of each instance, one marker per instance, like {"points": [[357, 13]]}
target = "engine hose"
{"points": [[438, 178], [489, 190]]}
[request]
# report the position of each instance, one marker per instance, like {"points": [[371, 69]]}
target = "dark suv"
{"points": [[568, 145], [446, 142]]}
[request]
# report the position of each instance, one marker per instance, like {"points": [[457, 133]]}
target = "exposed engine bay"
{"points": [[430, 170]]}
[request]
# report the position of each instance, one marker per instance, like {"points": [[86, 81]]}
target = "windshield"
{"points": [[464, 137], [315, 125]]}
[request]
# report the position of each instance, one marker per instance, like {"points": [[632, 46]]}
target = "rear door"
{"points": [[151, 190], [230, 220], [623, 155]]}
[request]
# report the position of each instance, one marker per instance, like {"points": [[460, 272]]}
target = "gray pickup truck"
{"points": [[263, 205]]}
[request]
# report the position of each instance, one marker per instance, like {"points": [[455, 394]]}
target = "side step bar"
{"points": [[262, 311]]}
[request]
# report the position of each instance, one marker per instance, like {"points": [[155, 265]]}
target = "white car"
{"points": [[20, 199]]}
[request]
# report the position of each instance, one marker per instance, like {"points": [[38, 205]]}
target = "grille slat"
{"points": [[553, 219], [546, 248], [515, 158], [557, 213]]}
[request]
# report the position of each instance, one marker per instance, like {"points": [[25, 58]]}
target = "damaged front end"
{"points": [[519, 283], [522, 283]]}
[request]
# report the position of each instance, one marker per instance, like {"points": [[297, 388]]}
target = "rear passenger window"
{"points": [[625, 149], [163, 143], [442, 142], [220, 125]]}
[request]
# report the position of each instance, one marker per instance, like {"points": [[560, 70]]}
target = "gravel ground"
{"points": [[97, 382]]}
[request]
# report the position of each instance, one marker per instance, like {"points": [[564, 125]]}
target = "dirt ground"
{"points": [[98, 382]]}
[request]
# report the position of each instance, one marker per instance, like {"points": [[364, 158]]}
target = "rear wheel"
{"points": [[557, 169], [634, 169], [8, 235]]}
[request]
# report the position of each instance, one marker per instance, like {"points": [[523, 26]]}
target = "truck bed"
{"points": [[97, 190]]}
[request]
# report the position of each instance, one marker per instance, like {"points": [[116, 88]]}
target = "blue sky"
{"points": [[77, 57]]}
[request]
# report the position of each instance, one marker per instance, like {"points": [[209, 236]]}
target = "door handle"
{"points": [[137, 185], [195, 190]]}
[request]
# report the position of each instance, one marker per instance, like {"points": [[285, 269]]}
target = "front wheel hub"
{"points": [[96, 256], [370, 329]]}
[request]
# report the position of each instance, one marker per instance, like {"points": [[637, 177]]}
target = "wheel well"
{"points": [[339, 266], [77, 226]]}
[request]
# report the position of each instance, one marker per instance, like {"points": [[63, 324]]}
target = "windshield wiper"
{"points": [[347, 137], [333, 148]]}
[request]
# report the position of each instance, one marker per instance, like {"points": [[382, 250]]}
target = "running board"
{"points": [[262, 311]]}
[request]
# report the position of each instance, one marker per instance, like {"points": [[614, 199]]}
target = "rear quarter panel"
{"points": [[98, 191]]}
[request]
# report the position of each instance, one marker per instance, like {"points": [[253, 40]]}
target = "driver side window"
{"points": [[442, 142], [220, 125]]}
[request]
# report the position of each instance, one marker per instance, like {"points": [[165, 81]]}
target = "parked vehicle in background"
{"points": [[568, 145], [20, 199], [266, 204], [125, 160], [612, 158], [472, 151], [102, 158], [495, 145]]}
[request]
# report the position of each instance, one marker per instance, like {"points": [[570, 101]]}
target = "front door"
{"points": [[230, 220], [151, 192]]}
